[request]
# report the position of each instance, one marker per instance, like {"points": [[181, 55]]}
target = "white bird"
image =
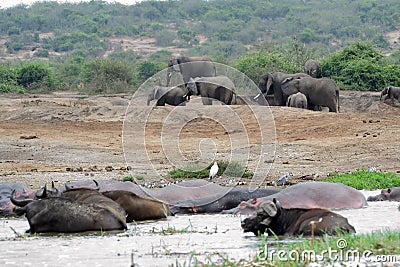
{"points": [[372, 169], [213, 170], [284, 179]]}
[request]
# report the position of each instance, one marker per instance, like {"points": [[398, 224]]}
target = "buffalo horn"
{"points": [[97, 185], [19, 202], [42, 192]]}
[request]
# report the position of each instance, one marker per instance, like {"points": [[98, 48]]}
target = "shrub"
{"points": [[232, 169], [360, 67], [362, 179]]}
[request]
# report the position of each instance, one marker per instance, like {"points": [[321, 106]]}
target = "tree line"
{"points": [[356, 67], [71, 49]]}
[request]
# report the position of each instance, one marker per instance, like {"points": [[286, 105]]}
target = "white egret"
{"points": [[213, 170]]}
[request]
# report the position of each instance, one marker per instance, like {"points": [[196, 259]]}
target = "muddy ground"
{"points": [[67, 137]]}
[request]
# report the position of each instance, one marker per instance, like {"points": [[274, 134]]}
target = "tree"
{"points": [[35, 76]]}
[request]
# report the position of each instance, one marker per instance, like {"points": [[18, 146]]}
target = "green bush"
{"points": [[362, 179], [256, 63], [232, 169], [360, 67], [36, 76]]}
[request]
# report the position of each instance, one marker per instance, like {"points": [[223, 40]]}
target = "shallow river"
{"points": [[176, 241]]}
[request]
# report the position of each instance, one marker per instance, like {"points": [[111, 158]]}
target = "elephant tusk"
{"points": [[257, 96]]}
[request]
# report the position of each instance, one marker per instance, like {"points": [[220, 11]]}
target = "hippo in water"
{"points": [[309, 195], [391, 194], [218, 203], [6, 189], [272, 217]]}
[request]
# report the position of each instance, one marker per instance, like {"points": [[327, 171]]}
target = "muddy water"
{"points": [[175, 241]]}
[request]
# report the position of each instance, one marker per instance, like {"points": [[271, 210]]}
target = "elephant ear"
{"points": [[270, 81], [192, 87], [290, 86], [175, 64]]}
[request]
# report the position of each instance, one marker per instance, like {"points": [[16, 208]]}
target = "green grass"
{"points": [[232, 169], [327, 249], [362, 179], [132, 179], [341, 248]]}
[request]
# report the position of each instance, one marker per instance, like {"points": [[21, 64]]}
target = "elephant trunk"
{"points": [[384, 92]]}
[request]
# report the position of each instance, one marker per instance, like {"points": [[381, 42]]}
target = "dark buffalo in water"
{"points": [[76, 210], [6, 189], [273, 218], [136, 207], [220, 202], [139, 208], [62, 215]]}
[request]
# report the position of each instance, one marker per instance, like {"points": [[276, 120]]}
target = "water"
{"points": [[177, 240]]}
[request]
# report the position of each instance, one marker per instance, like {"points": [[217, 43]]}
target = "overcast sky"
{"points": [[9, 3]]}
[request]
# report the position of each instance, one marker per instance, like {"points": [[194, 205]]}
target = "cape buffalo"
{"points": [[56, 214], [74, 210], [272, 217], [139, 208]]}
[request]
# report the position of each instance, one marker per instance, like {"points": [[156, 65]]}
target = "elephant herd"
{"points": [[200, 79], [308, 90]]}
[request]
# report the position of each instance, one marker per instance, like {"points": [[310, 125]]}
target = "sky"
{"points": [[9, 3]]}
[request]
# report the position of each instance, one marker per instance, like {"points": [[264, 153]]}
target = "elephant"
{"points": [[319, 92], [174, 96], [270, 83], [191, 67], [391, 92], [297, 100], [313, 68], [220, 88]]}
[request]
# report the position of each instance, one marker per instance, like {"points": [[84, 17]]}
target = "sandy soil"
{"points": [[66, 137]]}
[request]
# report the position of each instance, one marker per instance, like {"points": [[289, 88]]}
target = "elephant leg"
{"points": [[224, 95], [161, 102], [206, 101]]}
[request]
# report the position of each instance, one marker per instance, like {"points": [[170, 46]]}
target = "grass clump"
{"points": [[362, 179], [131, 178], [233, 169], [342, 248]]}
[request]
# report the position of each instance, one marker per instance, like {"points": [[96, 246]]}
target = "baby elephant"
{"points": [[297, 100], [391, 93], [280, 221], [174, 96]]}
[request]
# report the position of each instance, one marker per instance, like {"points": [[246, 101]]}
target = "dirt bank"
{"points": [[66, 137]]}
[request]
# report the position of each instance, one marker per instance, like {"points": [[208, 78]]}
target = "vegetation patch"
{"points": [[131, 178], [363, 179], [232, 169]]}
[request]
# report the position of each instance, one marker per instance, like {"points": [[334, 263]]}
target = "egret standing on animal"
{"points": [[213, 170]]}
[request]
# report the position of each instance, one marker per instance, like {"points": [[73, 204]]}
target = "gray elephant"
{"points": [[191, 67], [391, 93], [297, 100], [174, 96], [270, 83], [319, 92], [313, 68], [220, 88]]}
